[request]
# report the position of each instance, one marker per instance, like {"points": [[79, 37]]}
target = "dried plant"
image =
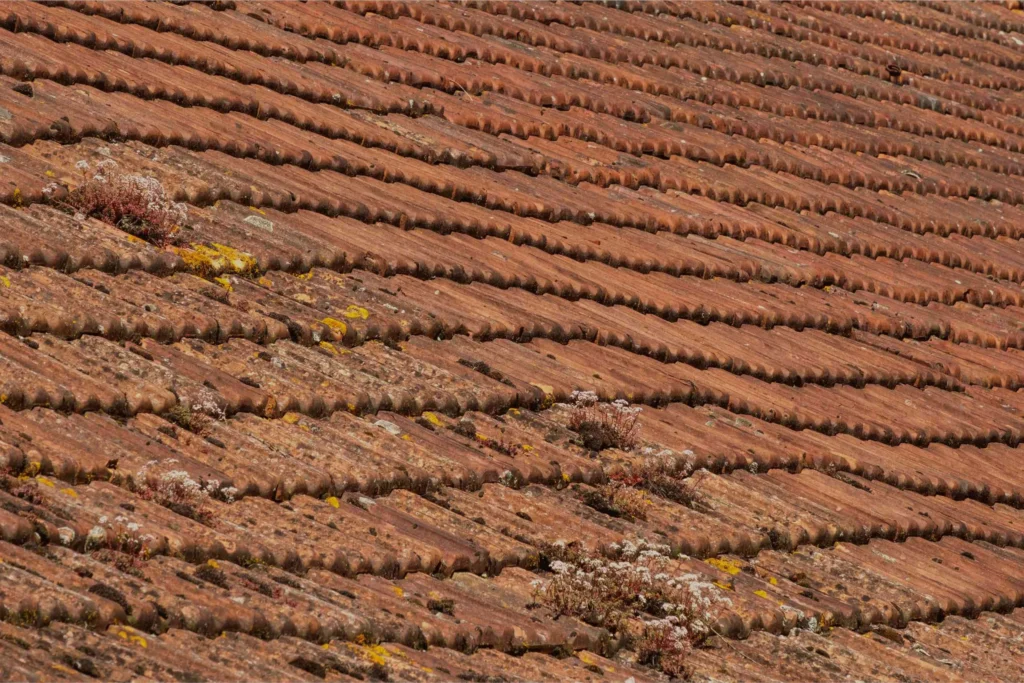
{"points": [[604, 425], [199, 415], [134, 203], [637, 596], [120, 543], [176, 490], [663, 478]]}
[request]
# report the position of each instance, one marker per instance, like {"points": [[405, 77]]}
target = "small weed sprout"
{"points": [[262, 587], [637, 596], [119, 543], [130, 202], [23, 487], [604, 425], [500, 445], [176, 490], [199, 415], [512, 480]]}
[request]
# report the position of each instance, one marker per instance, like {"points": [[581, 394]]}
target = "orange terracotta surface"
{"points": [[790, 233]]}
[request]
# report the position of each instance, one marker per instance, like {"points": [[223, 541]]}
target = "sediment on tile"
{"points": [[756, 99], [690, 257], [909, 179], [319, 626], [36, 380], [111, 309], [217, 135], [670, 312], [264, 602], [335, 491]]}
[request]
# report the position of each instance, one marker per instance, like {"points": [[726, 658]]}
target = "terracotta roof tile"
{"points": [[327, 428]]}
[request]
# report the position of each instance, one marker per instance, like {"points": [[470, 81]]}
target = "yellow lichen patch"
{"points": [[587, 658], [333, 502], [305, 276], [242, 263], [728, 566], [549, 394], [45, 482], [328, 346], [204, 260], [526, 447], [70, 492], [406, 437], [16, 200], [138, 640], [134, 239], [258, 210], [432, 419], [761, 594], [33, 468], [514, 411], [50, 174], [291, 418], [339, 327], [326, 646], [773, 581], [200, 260], [481, 437], [5, 281], [213, 563], [265, 282], [398, 591], [373, 653], [566, 477], [224, 282], [354, 311], [723, 586]]}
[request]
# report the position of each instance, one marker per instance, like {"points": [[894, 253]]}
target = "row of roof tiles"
{"points": [[817, 486]]}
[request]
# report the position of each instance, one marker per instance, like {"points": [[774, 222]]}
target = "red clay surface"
{"points": [[790, 232]]}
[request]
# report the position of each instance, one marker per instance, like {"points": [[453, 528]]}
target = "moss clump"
{"points": [[442, 606], [211, 574]]}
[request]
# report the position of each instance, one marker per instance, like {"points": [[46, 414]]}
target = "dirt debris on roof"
{"points": [[325, 327]]}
